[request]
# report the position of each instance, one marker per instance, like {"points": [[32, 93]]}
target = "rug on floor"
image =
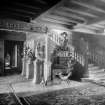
{"points": [[70, 96], [8, 99]]}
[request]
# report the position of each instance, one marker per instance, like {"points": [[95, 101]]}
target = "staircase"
{"points": [[96, 74]]}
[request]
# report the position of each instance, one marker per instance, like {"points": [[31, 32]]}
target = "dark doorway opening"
{"points": [[12, 57]]}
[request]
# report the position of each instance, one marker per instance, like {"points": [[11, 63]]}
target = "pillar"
{"points": [[28, 71], [47, 70], [86, 73], [35, 72], [23, 67]]}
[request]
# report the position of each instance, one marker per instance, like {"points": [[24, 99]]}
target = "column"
{"points": [[35, 72], [23, 67], [86, 73], [47, 70], [28, 62], [16, 55]]}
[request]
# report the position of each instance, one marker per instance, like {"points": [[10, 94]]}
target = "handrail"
{"points": [[93, 55], [78, 57], [97, 58]]}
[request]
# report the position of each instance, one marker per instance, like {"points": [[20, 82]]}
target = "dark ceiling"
{"points": [[24, 10]]}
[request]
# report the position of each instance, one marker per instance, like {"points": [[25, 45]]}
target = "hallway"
{"points": [[52, 52]]}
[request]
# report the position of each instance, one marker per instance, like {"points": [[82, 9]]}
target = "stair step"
{"points": [[94, 68], [90, 80], [90, 65], [96, 81], [97, 76], [100, 78], [97, 71]]}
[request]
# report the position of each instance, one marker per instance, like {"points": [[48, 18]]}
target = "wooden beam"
{"points": [[87, 26], [97, 25], [92, 26], [69, 18], [92, 7], [26, 6], [63, 24], [21, 11], [97, 20], [55, 25], [59, 18], [48, 12], [51, 25], [78, 12], [65, 14], [41, 1], [58, 21], [89, 31], [7, 13]]}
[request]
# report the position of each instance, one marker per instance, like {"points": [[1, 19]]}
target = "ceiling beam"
{"points": [[52, 25], [87, 26], [61, 3], [89, 31], [41, 1], [58, 21], [17, 16], [78, 12], [19, 11], [97, 25], [60, 18], [91, 28], [97, 20], [89, 6], [65, 14], [56, 25], [26, 6], [69, 18]]}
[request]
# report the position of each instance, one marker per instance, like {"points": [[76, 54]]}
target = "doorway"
{"points": [[12, 57]]}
